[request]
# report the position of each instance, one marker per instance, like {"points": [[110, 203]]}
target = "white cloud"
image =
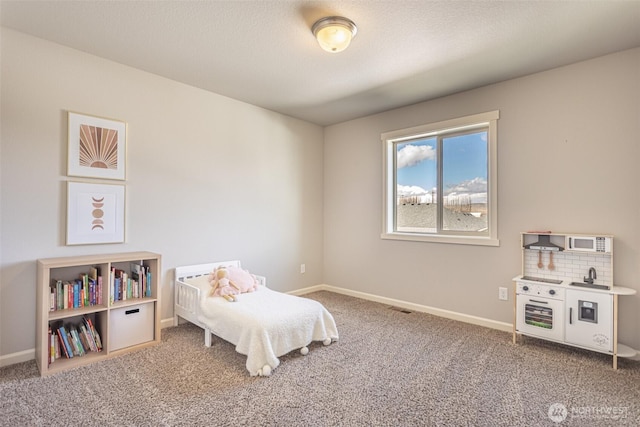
{"points": [[475, 185], [411, 155], [410, 190]]}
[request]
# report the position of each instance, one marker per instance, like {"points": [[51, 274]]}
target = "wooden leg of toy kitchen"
{"points": [[515, 306], [615, 331]]}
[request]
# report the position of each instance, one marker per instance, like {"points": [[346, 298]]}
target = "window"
{"points": [[440, 181]]}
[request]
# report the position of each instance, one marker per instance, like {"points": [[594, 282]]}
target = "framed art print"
{"points": [[97, 147], [95, 213]]}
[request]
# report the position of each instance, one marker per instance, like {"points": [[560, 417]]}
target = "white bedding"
{"points": [[265, 324]]}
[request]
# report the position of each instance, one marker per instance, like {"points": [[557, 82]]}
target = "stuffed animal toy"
{"points": [[230, 281], [221, 284], [242, 280]]}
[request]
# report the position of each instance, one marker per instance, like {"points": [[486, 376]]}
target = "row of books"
{"points": [[136, 284], [82, 292], [87, 290], [73, 340]]}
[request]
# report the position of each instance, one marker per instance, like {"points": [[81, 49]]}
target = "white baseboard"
{"points": [[480, 321], [19, 357]]}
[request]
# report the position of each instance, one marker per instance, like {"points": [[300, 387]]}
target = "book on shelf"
{"points": [[76, 294], [94, 272], [68, 350], [94, 333], [61, 344], [129, 285], [52, 300], [73, 339], [51, 345], [84, 294], [56, 344], [148, 282], [99, 291], [139, 277], [83, 339], [96, 278], [87, 340], [59, 295], [143, 277], [65, 296], [85, 291], [74, 346]]}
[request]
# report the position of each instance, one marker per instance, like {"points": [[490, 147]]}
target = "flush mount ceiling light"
{"points": [[334, 33]]}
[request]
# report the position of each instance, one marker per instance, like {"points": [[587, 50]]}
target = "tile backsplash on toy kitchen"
{"points": [[569, 266]]}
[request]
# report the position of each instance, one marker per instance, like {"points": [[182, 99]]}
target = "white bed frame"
{"points": [[187, 297]]}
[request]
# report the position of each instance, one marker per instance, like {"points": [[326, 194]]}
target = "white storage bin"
{"points": [[130, 326]]}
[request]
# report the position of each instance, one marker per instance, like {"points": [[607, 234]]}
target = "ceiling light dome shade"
{"points": [[334, 33]]}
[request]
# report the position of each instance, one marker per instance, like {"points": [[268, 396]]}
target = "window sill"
{"points": [[460, 240]]}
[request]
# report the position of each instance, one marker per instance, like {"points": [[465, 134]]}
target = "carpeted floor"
{"points": [[388, 369]]}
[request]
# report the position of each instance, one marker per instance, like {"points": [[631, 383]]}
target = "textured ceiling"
{"points": [[263, 52]]}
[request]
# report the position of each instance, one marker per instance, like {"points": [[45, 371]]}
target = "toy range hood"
{"points": [[544, 244]]}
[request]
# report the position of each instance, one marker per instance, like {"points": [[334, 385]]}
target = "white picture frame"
{"points": [[95, 213], [96, 147]]}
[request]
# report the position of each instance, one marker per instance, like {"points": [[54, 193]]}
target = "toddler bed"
{"points": [[263, 325]]}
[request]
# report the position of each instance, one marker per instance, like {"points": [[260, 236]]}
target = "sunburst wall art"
{"points": [[95, 213], [97, 147]]}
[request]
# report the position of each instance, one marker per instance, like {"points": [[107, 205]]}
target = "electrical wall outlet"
{"points": [[503, 294], [303, 268]]}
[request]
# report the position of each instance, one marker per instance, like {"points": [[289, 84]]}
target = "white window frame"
{"points": [[483, 120]]}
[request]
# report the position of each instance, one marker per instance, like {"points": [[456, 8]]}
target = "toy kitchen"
{"points": [[566, 292]]}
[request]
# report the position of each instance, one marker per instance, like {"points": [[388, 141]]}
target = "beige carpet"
{"points": [[388, 369]]}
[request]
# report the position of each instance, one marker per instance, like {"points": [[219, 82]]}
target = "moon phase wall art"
{"points": [[95, 213], [97, 147]]}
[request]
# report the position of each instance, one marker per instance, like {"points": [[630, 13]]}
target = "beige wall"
{"points": [[208, 178], [568, 155]]}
